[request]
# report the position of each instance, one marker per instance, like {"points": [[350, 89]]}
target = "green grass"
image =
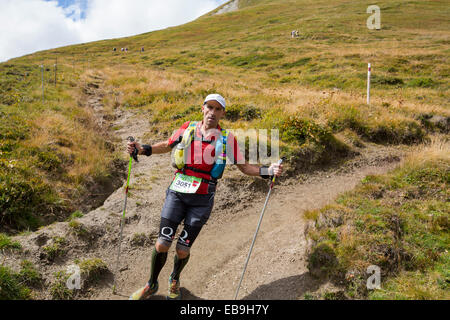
{"points": [[398, 222], [11, 287], [142, 239], [17, 285], [78, 228], [59, 289], [55, 249], [7, 243], [29, 275], [92, 270], [75, 215]]}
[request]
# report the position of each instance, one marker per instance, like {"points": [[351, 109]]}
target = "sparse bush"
{"points": [[75, 215], [22, 195], [7, 243], [297, 63], [252, 60], [29, 275], [298, 130], [54, 250], [48, 159], [322, 260], [386, 81], [78, 228], [92, 270], [237, 112], [11, 287], [59, 289], [141, 239], [421, 83]]}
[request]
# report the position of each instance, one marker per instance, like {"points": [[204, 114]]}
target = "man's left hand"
{"points": [[275, 169]]}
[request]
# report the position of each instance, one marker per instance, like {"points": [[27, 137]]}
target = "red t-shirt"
{"points": [[205, 160]]}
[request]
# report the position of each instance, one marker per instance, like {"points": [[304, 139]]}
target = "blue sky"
{"points": [[27, 26], [82, 4]]}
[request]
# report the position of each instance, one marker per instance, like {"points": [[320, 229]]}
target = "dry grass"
{"points": [[437, 150]]}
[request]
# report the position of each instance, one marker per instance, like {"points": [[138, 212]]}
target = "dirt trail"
{"points": [[277, 268]]}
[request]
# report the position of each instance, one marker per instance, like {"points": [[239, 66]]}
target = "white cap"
{"points": [[215, 97]]}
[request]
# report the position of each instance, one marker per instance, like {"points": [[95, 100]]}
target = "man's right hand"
{"points": [[132, 145]]}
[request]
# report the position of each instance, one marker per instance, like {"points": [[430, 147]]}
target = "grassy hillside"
{"points": [[398, 222], [311, 88]]}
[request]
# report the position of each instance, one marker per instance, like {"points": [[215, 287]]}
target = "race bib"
{"points": [[185, 184]]}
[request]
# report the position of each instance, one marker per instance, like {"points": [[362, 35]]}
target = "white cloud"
{"points": [[27, 26]]}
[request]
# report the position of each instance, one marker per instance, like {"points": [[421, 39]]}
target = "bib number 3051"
{"points": [[185, 184]]}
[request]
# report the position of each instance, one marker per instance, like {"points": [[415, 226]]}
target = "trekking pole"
{"points": [[122, 221], [254, 237]]}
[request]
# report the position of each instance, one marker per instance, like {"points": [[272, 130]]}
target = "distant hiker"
{"points": [[296, 33], [142, 49], [190, 196], [114, 49], [121, 49], [126, 49]]}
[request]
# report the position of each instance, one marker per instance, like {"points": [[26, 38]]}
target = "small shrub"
{"points": [[75, 215], [245, 112], [54, 250], [254, 59], [7, 243], [311, 214], [387, 81], [92, 270], [23, 194], [78, 228], [59, 289], [322, 261], [421, 83], [298, 130], [287, 79], [299, 62], [11, 288], [141, 239], [48, 160], [29, 275], [308, 296], [339, 295]]}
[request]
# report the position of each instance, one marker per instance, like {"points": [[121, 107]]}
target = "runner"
{"points": [[190, 196]]}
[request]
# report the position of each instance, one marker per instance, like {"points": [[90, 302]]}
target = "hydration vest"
{"points": [[179, 157]]}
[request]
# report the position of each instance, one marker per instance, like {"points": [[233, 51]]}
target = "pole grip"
{"points": [[273, 178], [135, 152]]}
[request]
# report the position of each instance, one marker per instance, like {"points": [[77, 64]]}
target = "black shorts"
{"points": [[194, 209]]}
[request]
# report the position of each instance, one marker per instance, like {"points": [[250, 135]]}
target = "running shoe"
{"points": [[145, 292], [174, 290]]}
